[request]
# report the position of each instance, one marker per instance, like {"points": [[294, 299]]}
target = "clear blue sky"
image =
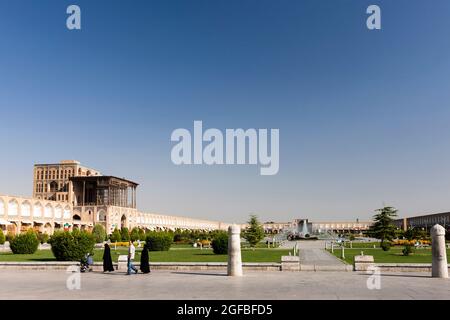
{"points": [[363, 115]]}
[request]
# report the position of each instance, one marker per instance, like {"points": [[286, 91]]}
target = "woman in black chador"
{"points": [[107, 261], [145, 266]]}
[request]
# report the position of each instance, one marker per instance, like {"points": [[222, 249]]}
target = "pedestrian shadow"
{"points": [[118, 273], [213, 274], [44, 260], [398, 275], [405, 275]]}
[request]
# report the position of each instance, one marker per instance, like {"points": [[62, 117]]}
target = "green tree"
{"points": [[42, 237], [254, 233], [99, 233], [134, 236], [125, 234], [383, 227], [220, 243], [25, 243], [159, 241], [115, 236], [71, 246], [142, 235], [2, 237], [415, 234]]}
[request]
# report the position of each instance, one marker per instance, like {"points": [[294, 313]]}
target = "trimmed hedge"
{"points": [[407, 250], [2, 237], [125, 234], [159, 241], [134, 235], [142, 235], [220, 243], [9, 236], [99, 233], [71, 246], [386, 246], [25, 243], [43, 238], [115, 236], [123, 244]]}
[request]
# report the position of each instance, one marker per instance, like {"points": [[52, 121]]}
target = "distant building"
{"points": [[68, 195], [317, 226], [424, 221], [52, 181]]}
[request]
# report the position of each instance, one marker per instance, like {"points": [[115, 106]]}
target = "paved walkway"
{"points": [[313, 253], [205, 285]]}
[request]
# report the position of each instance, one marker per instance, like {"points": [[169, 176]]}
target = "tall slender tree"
{"points": [[383, 227], [254, 233]]}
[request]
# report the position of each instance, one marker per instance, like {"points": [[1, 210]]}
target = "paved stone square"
{"points": [[209, 285]]}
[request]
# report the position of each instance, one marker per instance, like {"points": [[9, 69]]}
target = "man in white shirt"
{"points": [[131, 251]]}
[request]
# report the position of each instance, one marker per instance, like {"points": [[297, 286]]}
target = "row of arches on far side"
{"points": [[27, 208]]}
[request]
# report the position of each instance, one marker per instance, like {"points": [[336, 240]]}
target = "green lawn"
{"points": [[392, 256], [362, 244], [40, 255], [173, 255]]}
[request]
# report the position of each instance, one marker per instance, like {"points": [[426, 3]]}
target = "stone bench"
{"points": [[290, 263], [363, 263]]}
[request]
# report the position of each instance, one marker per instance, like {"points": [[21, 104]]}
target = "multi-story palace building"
{"points": [[52, 181], [68, 195]]}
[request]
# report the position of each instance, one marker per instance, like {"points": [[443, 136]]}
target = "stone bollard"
{"points": [[439, 265], [122, 263], [343, 252], [351, 245], [234, 251], [332, 247]]}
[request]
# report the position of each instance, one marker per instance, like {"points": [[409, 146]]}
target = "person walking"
{"points": [[131, 252], [145, 265], [107, 260]]}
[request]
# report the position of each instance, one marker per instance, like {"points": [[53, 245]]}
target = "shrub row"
{"points": [[409, 242], [124, 235], [72, 246], [123, 244]]}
